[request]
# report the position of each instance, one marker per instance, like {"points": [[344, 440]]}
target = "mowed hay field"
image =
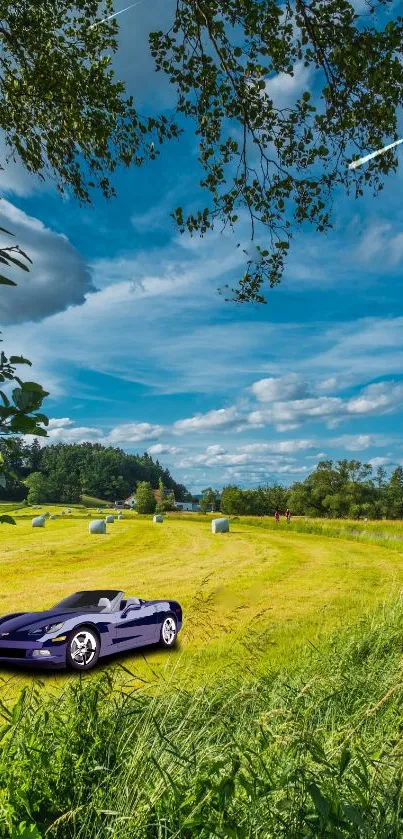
{"points": [[252, 598]]}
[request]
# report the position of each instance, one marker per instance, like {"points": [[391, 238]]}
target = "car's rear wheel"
{"points": [[169, 631], [83, 648]]}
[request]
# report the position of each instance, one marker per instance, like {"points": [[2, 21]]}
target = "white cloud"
{"points": [[379, 398], [160, 448], [57, 279], [64, 431], [379, 461], [215, 450], [279, 447], [134, 432], [291, 386], [287, 415], [356, 443], [64, 422], [221, 418]]}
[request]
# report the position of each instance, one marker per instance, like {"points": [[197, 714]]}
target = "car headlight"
{"points": [[51, 627]]}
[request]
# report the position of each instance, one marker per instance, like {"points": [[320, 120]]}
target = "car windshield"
{"points": [[86, 600]]}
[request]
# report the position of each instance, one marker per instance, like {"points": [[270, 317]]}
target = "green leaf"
{"points": [[19, 359], [34, 387], [42, 418], [322, 805], [345, 758], [16, 262], [26, 399], [6, 281], [354, 815]]}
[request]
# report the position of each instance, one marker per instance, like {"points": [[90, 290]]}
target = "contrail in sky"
{"points": [[355, 163], [115, 14]]}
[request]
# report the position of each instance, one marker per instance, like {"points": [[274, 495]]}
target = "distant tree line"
{"points": [[63, 473], [346, 489]]}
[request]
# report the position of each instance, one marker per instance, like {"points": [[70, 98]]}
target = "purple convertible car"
{"points": [[85, 626]]}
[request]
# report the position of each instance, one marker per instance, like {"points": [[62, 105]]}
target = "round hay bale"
{"points": [[110, 519], [158, 519], [120, 516], [52, 518], [89, 515], [47, 515], [97, 526], [38, 521], [220, 526], [63, 513]]}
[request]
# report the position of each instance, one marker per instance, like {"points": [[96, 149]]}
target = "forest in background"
{"points": [[62, 473], [345, 489]]}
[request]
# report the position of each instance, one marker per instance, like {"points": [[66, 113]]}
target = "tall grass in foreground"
{"points": [[315, 753]]}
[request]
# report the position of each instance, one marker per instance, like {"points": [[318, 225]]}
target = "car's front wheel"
{"points": [[168, 631], [83, 649]]}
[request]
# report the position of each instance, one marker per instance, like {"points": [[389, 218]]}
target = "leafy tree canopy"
{"points": [[61, 108], [62, 473], [145, 498], [64, 113], [282, 165], [343, 489]]}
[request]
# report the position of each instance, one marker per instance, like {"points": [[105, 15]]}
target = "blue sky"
{"points": [[122, 319]]}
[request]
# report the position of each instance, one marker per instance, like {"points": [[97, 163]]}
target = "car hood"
{"points": [[34, 619]]}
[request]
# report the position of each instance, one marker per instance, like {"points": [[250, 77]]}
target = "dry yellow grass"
{"points": [[251, 598]]}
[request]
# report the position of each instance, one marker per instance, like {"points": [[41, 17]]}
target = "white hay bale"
{"points": [[219, 526], [110, 519], [120, 516], [97, 526], [38, 521], [52, 518], [158, 519]]}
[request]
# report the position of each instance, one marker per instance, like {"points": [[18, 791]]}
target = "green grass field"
{"points": [[252, 599], [279, 715]]}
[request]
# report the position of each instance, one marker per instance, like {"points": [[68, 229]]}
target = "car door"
{"points": [[136, 626]]}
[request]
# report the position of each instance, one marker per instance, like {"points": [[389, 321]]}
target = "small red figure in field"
{"points": [[277, 516], [288, 515]]}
